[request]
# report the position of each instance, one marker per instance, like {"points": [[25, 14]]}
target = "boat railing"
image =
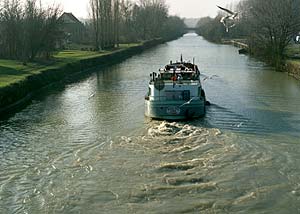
{"points": [[186, 82], [166, 98], [175, 77]]}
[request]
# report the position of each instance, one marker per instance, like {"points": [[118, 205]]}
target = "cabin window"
{"points": [[178, 95], [166, 76], [149, 91], [186, 95], [173, 95]]}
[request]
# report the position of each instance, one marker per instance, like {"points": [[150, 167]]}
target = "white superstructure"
{"points": [[175, 92]]}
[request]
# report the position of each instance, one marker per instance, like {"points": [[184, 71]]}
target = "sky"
{"points": [[183, 8]]}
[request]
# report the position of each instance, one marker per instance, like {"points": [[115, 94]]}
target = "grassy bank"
{"points": [[292, 56], [12, 71], [293, 61], [293, 68], [19, 81]]}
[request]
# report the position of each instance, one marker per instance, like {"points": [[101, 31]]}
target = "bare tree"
{"points": [[116, 26], [270, 26], [273, 23], [51, 31], [11, 18], [126, 21], [28, 30], [105, 18], [95, 15], [150, 17]]}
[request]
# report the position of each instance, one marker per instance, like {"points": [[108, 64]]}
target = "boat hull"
{"points": [[174, 110]]}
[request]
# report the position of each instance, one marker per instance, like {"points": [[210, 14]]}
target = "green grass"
{"points": [[13, 71], [293, 54], [74, 55], [292, 51], [130, 45]]}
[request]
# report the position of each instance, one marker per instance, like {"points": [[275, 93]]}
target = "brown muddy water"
{"points": [[87, 147]]}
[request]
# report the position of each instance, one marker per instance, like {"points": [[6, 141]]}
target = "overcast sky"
{"points": [[183, 8]]}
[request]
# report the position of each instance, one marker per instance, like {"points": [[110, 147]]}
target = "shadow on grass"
{"points": [[10, 71], [17, 68]]}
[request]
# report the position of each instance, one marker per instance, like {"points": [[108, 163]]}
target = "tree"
{"points": [[116, 21], [273, 23], [105, 16], [11, 17], [150, 17], [95, 15], [267, 25], [211, 29], [28, 30], [174, 27]]}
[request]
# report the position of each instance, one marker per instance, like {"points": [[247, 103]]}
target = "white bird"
{"points": [[210, 77], [189, 102], [229, 20], [92, 95]]}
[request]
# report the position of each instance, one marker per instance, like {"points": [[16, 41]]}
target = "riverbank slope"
{"points": [[292, 63], [19, 82], [293, 68]]}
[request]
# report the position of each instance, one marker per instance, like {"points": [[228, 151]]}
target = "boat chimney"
{"points": [[171, 62], [181, 60]]}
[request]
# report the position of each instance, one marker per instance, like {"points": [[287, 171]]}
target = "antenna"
{"points": [[181, 59], [194, 60]]}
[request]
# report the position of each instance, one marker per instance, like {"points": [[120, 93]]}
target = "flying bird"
{"points": [[210, 77], [229, 20]]}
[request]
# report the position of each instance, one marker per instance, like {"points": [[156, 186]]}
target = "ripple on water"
{"points": [[61, 153], [176, 167], [232, 172]]}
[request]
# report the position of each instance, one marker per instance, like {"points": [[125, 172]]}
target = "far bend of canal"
{"points": [[87, 147]]}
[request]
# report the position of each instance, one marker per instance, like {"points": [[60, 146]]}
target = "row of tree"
{"points": [[115, 21], [269, 26], [27, 30]]}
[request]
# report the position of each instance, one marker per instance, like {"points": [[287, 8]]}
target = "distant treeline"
{"points": [[268, 26], [125, 21], [29, 31]]}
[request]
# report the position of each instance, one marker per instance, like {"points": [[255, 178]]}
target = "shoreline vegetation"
{"points": [[42, 45], [291, 65], [270, 37], [14, 71], [21, 81]]}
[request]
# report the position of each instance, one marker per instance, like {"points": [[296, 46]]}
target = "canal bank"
{"points": [[239, 43], [293, 68], [14, 96], [68, 152]]}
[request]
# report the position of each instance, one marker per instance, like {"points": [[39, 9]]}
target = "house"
{"points": [[75, 31]]}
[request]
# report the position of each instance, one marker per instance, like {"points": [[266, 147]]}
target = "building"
{"points": [[75, 31]]}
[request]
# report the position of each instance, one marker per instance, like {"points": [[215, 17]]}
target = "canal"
{"points": [[86, 147]]}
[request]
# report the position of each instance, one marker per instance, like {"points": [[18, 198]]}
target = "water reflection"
{"points": [[87, 147]]}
